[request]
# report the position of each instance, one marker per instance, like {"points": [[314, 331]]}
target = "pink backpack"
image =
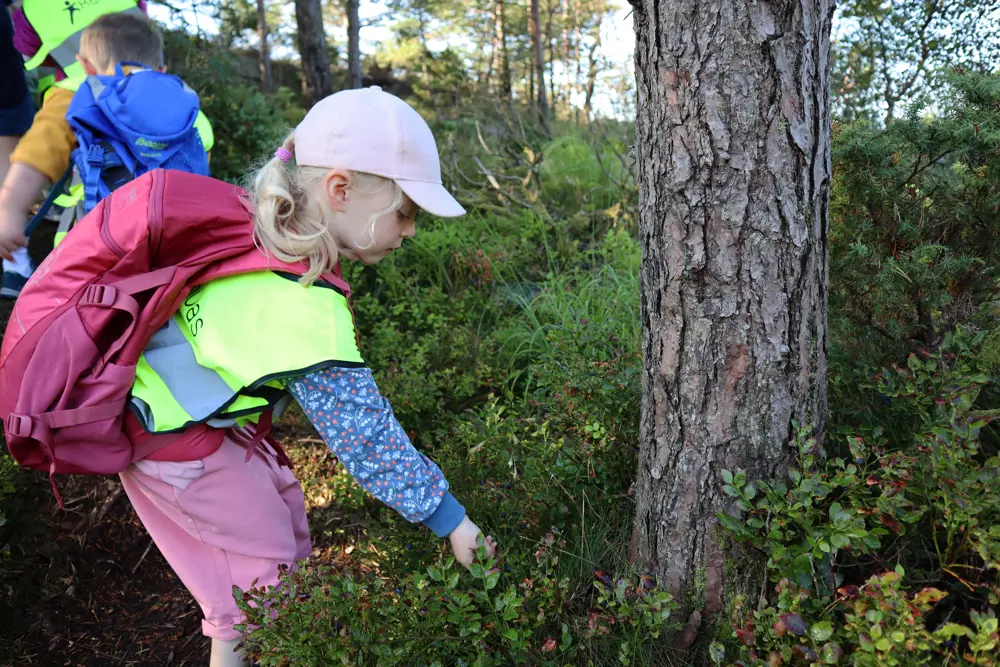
{"points": [[69, 354]]}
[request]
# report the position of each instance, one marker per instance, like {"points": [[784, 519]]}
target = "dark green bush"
{"points": [[913, 224], [248, 125]]}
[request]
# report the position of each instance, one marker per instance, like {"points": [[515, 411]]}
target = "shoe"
{"points": [[12, 284]]}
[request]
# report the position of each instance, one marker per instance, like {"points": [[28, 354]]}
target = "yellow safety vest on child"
{"points": [[221, 358]]}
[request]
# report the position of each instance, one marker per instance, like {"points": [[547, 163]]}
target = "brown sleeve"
{"points": [[47, 145]]}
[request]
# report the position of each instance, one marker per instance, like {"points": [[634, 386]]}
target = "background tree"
{"points": [[734, 171], [501, 60], [316, 77], [265, 54], [539, 61], [891, 52], [353, 45]]}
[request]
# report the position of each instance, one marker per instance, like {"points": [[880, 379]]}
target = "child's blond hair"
{"points": [[291, 225], [122, 37]]}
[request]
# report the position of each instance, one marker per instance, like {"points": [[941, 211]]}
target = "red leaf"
{"points": [[549, 645], [849, 592], [602, 577], [929, 596], [794, 624], [889, 521], [746, 636]]}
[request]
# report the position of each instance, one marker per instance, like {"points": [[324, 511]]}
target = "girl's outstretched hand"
{"points": [[463, 542]]}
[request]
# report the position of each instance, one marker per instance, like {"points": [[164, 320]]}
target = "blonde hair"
{"points": [[122, 37], [289, 223]]}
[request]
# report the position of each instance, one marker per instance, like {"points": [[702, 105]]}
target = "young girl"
{"points": [[348, 182]]}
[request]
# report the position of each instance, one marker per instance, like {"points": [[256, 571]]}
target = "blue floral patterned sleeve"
{"points": [[358, 425]]}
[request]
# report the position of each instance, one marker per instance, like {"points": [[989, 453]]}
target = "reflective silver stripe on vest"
{"points": [[199, 390], [67, 219], [65, 54]]}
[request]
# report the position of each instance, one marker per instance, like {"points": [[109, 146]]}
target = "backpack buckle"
{"points": [[98, 295], [95, 156], [18, 426]]}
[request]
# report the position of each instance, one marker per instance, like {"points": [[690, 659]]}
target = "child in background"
{"points": [[347, 183], [45, 33], [129, 117], [43, 155]]}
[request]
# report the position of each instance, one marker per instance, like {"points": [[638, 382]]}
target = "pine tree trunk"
{"points": [[577, 81], [592, 63], [265, 53], [539, 68], [501, 59], [531, 84], [551, 60], [353, 44], [591, 77], [733, 145], [317, 80]]}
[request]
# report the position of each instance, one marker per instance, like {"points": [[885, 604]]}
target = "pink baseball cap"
{"points": [[371, 131]]}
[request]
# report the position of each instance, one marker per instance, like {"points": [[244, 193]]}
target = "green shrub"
{"points": [[248, 125], [576, 170], [525, 613], [420, 317], [574, 349], [880, 623], [923, 501]]}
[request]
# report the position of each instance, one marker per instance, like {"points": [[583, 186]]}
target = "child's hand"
{"points": [[463, 542], [12, 224]]}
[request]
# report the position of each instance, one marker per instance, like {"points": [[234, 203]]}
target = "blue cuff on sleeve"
{"points": [[446, 517]]}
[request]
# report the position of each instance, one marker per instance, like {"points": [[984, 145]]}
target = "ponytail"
{"points": [[287, 223]]}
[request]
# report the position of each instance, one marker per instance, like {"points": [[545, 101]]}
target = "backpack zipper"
{"points": [[154, 214], [106, 232]]}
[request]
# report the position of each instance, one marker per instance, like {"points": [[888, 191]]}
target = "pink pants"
{"points": [[221, 522]]}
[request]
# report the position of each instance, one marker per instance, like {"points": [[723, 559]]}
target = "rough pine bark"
{"points": [[317, 79], [733, 148], [265, 54], [353, 44]]}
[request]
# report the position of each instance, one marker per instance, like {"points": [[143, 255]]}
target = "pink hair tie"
{"points": [[283, 154]]}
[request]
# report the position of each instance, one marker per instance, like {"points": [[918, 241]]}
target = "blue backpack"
{"points": [[129, 124]]}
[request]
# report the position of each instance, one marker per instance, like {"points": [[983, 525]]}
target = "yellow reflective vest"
{"points": [[222, 357]]}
